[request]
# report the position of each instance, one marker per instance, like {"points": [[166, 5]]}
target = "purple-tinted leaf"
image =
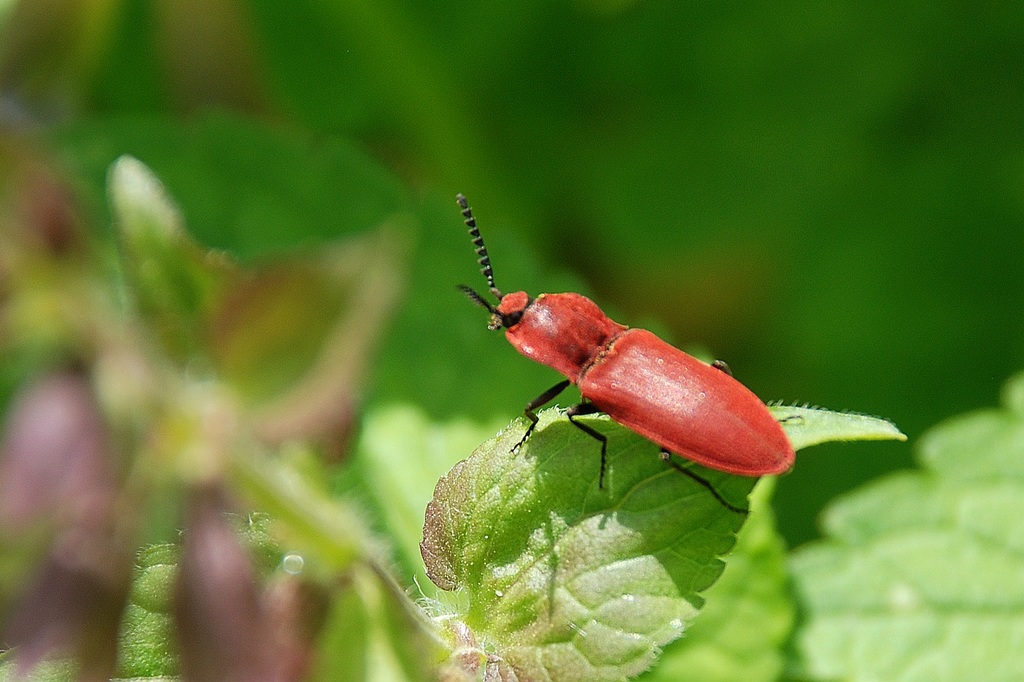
{"points": [[73, 605], [223, 630], [45, 217], [296, 611], [54, 461]]}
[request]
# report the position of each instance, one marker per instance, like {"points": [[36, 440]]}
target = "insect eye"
{"points": [[512, 318]]}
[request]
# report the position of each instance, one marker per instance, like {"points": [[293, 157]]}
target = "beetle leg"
{"points": [[541, 400], [667, 457], [722, 365], [590, 408]]}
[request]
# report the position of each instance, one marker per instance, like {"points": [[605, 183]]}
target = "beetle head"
{"points": [[507, 313]]}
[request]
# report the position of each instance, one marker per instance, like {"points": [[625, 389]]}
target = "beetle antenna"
{"points": [[481, 250], [476, 298]]}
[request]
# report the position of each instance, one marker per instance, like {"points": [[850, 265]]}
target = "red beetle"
{"points": [[689, 408]]}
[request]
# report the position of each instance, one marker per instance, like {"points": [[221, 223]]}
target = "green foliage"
{"points": [[748, 617], [174, 282], [807, 426], [565, 581], [556, 578], [920, 577], [788, 185], [244, 377], [400, 458], [147, 631], [791, 186], [173, 395], [255, 188]]}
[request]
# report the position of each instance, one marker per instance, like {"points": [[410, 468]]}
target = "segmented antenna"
{"points": [[476, 298], [481, 251]]}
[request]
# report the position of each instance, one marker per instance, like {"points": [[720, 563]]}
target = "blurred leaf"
{"points": [[208, 53], [807, 426], [567, 581], [373, 635], [921, 577], [293, 337], [371, 631], [72, 605], [148, 642], [39, 217], [345, 638], [47, 671], [326, 531], [56, 460], [244, 185], [48, 287], [49, 52], [296, 337], [223, 627], [401, 456], [748, 615], [57, 471], [269, 330], [174, 281]]}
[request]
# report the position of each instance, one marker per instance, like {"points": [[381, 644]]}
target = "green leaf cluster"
{"points": [[531, 568], [555, 577], [920, 577]]}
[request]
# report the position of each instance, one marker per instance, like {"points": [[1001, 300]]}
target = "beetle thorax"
{"points": [[566, 332]]}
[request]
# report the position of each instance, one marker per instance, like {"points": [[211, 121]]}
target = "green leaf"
{"points": [[807, 426], [295, 337], [922, 574], [749, 612], [374, 634], [560, 579], [246, 185], [147, 629], [173, 281], [401, 455]]}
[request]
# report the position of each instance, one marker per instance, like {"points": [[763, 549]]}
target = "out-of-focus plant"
{"points": [[168, 395]]}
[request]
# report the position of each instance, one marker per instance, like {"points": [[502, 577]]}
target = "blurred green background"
{"points": [[830, 196]]}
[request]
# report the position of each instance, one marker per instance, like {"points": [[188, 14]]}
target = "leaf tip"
{"points": [[138, 199], [806, 426]]}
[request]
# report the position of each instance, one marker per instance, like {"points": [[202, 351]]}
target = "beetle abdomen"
{"points": [[686, 406]]}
